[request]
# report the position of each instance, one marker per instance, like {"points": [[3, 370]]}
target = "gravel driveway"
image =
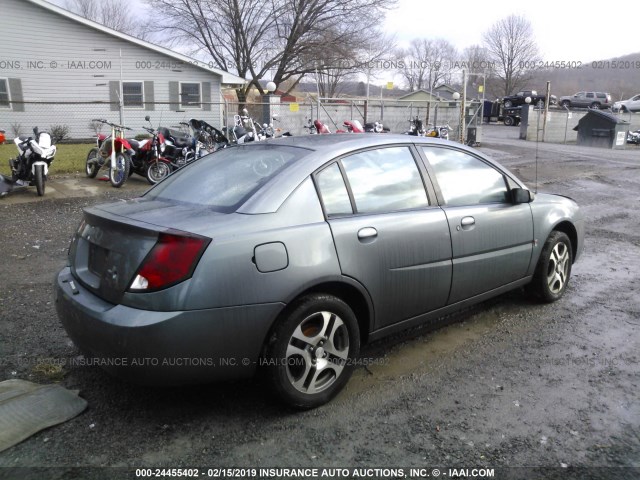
{"points": [[507, 383]]}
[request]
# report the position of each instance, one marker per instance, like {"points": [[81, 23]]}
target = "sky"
{"points": [[564, 30]]}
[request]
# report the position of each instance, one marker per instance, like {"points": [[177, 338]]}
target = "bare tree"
{"points": [[115, 14], [428, 63], [511, 45], [280, 39], [478, 62], [341, 63]]}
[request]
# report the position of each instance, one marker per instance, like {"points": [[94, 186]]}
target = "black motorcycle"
{"points": [[210, 138], [31, 166], [416, 127], [179, 147]]}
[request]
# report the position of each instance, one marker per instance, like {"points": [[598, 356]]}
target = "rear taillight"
{"points": [[172, 260]]}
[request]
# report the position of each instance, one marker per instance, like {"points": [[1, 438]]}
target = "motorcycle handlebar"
{"points": [[115, 125]]}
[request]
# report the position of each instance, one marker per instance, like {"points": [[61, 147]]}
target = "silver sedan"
{"points": [[283, 257]]}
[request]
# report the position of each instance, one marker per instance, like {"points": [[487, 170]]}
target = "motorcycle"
{"points": [[113, 150], [207, 138], [436, 131], [353, 126], [416, 127], [244, 129], [269, 131], [319, 128], [376, 127], [31, 166], [316, 127], [179, 146], [148, 160]]}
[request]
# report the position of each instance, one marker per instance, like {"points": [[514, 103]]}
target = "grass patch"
{"points": [[70, 157], [49, 371]]}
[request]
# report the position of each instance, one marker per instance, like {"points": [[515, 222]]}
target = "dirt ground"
{"points": [[511, 383]]}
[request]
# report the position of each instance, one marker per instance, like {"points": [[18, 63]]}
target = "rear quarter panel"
{"points": [[227, 275]]}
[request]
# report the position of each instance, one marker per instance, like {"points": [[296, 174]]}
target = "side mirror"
{"points": [[147, 118], [521, 195]]}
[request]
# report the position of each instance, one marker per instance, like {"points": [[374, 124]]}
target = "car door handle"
{"points": [[367, 234], [467, 222]]}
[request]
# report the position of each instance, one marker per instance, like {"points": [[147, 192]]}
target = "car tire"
{"points": [[311, 351], [553, 271], [595, 106], [566, 104], [509, 121]]}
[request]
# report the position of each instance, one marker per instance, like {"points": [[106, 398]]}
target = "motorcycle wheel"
{"points": [[157, 171], [39, 179], [119, 175], [92, 166]]}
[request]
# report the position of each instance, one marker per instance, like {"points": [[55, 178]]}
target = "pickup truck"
{"points": [[519, 98]]}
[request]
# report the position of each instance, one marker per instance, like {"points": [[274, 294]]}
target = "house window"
{"points": [[132, 94], [4, 93], [190, 95]]}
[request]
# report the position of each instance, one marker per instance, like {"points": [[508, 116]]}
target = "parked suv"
{"points": [[587, 99]]}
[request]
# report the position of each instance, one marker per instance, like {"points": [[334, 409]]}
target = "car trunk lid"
{"points": [[113, 241]]}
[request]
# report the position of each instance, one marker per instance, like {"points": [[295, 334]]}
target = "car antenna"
{"points": [[528, 102]]}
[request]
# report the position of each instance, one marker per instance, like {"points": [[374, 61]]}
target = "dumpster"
{"points": [[602, 129]]}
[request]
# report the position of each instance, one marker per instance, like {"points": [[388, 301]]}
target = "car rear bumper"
{"points": [[163, 348]]}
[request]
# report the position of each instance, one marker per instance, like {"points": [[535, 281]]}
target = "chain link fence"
{"points": [[395, 115], [73, 121]]}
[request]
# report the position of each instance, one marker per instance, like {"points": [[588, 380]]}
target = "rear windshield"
{"points": [[224, 180]]}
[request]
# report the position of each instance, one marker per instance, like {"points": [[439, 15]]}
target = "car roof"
{"points": [[324, 148]]}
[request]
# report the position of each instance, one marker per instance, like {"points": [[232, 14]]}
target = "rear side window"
{"points": [[333, 191], [601, 95], [224, 180], [465, 179], [385, 180]]}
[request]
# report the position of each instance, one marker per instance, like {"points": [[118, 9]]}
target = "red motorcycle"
{"points": [[353, 126], [149, 160], [113, 150], [319, 128]]}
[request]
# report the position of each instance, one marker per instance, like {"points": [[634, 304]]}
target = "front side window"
{"points": [[132, 94], [4, 93], [190, 95], [385, 180], [465, 179]]}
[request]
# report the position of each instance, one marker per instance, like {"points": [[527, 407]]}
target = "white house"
{"points": [[57, 68]]}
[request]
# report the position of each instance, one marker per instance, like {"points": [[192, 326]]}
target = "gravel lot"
{"points": [[509, 383]]}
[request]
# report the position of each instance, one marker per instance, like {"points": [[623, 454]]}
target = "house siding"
{"points": [[52, 58]]}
